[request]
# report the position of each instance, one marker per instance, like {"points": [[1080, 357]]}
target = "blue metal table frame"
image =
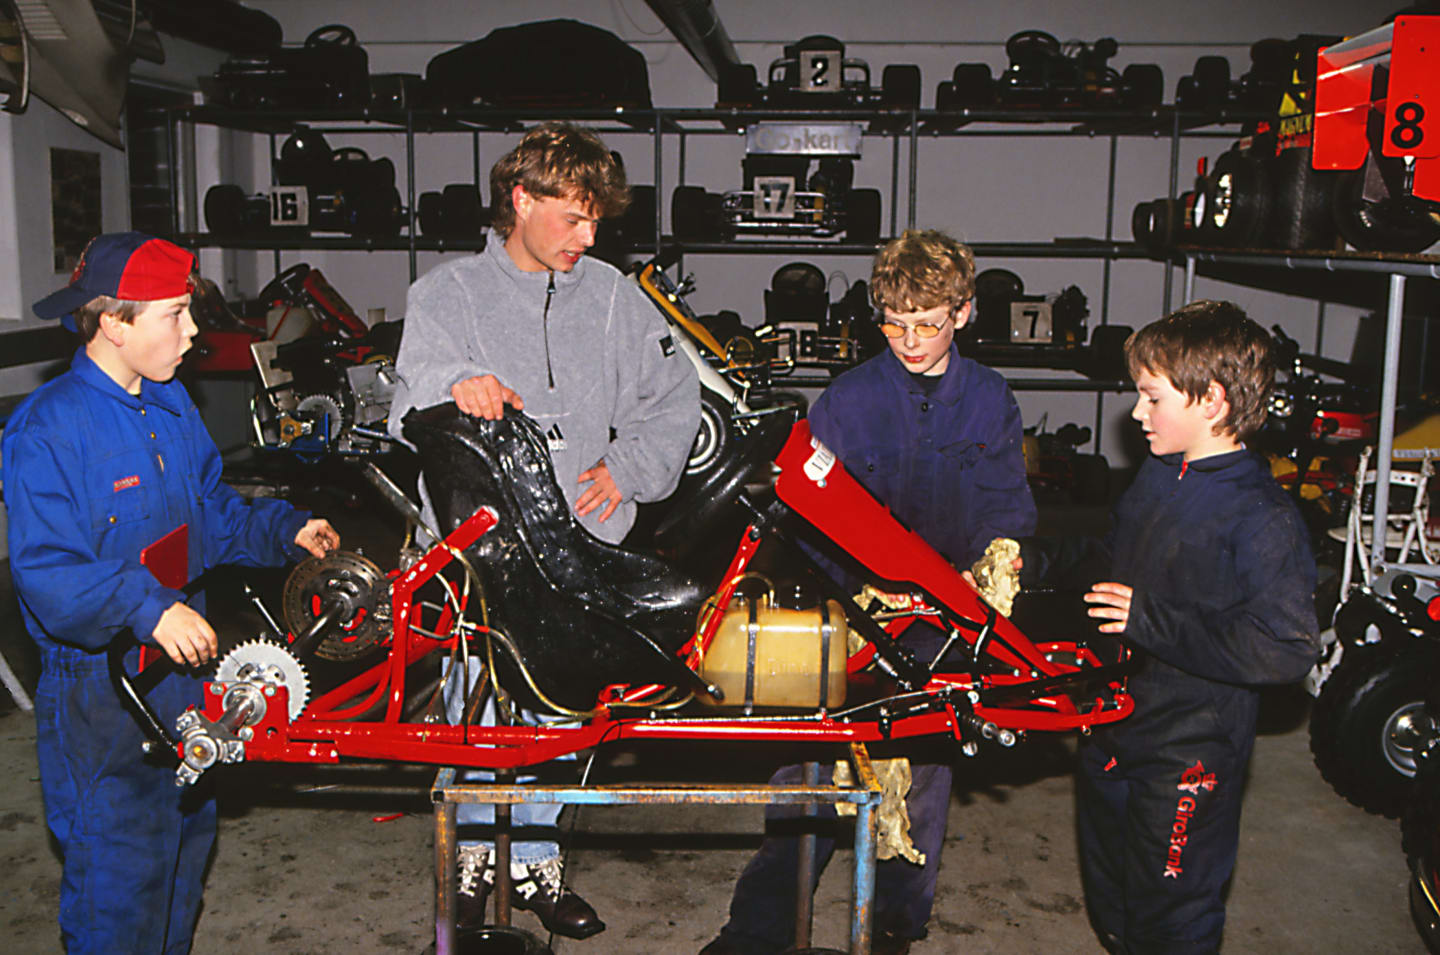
{"points": [[447, 794]]}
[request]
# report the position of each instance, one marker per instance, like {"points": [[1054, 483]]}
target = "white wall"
{"points": [[979, 189], [27, 270]]}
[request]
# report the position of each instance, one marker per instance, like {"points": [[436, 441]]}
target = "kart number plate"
{"points": [[289, 205], [820, 463], [1412, 104], [774, 197], [821, 71], [1031, 323]]}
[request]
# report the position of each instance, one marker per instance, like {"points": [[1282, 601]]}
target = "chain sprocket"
{"points": [[354, 580], [267, 663]]}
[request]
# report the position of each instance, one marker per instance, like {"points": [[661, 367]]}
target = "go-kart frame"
{"points": [[1002, 686]]}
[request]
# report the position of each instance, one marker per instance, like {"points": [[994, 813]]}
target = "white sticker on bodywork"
{"points": [[819, 464]]}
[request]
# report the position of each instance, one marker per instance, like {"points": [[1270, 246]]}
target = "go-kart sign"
{"points": [[803, 139]]}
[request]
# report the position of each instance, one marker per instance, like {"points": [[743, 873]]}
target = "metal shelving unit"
{"points": [[899, 127], [1399, 268]]}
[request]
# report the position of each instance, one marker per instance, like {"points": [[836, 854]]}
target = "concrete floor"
{"points": [[319, 860]]}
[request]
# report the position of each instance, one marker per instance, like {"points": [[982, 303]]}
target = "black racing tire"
{"points": [[225, 209], [1301, 203], [688, 206], [1142, 86], [737, 86], [972, 86], [1107, 352], [1142, 227], [716, 434], [430, 214], [464, 210], [862, 209], [1385, 225], [1212, 82], [900, 86], [1420, 839], [1363, 731], [1237, 200]]}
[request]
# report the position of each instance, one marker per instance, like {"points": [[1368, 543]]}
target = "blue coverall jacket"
{"points": [[948, 463], [93, 474]]}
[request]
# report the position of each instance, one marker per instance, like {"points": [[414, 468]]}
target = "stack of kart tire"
{"points": [[455, 212], [695, 215], [1245, 201]]}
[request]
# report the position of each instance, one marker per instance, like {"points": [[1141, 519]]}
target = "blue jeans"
{"points": [[541, 815], [133, 844]]}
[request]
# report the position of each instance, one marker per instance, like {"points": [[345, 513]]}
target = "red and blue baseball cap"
{"points": [[129, 266]]}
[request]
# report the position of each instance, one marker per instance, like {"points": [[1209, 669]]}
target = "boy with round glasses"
{"points": [[936, 438]]}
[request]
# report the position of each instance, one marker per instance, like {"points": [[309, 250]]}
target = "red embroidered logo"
{"points": [[131, 481], [1195, 779], [1192, 780]]}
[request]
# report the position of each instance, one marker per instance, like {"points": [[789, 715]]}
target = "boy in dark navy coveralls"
{"points": [[1207, 575], [936, 438], [99, 463]]}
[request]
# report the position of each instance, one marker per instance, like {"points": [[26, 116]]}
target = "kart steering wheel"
{"points": [[284, 285], [332, 34], [1031, 44], [696, 508]]}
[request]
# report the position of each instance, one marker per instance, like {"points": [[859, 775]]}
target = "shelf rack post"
{"points": [[1389, 385]]}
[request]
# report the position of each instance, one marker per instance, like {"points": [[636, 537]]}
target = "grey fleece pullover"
{"points": [[600, 359]]}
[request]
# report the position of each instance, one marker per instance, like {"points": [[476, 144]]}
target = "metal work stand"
{"points": [[447, 794]]}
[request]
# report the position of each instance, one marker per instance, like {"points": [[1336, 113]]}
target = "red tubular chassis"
{"points": [[1007, 685]]}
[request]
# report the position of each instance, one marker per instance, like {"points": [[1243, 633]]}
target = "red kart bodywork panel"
{"points": [[1393, 73], [816, 486]]}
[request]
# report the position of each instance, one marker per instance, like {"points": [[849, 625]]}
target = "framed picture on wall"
{"points": [[74, 204]]}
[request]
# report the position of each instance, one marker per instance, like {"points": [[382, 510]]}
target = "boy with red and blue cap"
{"points": [[98, 464]]}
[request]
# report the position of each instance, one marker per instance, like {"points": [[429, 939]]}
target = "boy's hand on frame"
{"points": [[185, 636], [484, 397], [1110, 602], [601, 490], [318, 537]]}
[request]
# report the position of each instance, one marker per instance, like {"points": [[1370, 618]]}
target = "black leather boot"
{"points": [[539, 888], [475, 872]]}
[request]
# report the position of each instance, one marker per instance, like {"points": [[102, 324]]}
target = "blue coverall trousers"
{"points": [[134, 845]]}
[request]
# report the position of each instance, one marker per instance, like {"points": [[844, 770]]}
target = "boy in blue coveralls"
{"points": [[937, 439], [1207, 575], [99, 463]]}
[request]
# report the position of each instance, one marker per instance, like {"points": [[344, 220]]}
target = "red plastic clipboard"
{"points": [[168, 559]]}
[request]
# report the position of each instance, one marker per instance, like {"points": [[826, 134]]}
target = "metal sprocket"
{"points": [[261, 661], [351, 578]]}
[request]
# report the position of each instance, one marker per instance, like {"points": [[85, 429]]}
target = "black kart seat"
{"points": [[581, 613]]}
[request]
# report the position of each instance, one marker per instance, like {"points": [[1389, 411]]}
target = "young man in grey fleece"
{"points": [[532, 323]]}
